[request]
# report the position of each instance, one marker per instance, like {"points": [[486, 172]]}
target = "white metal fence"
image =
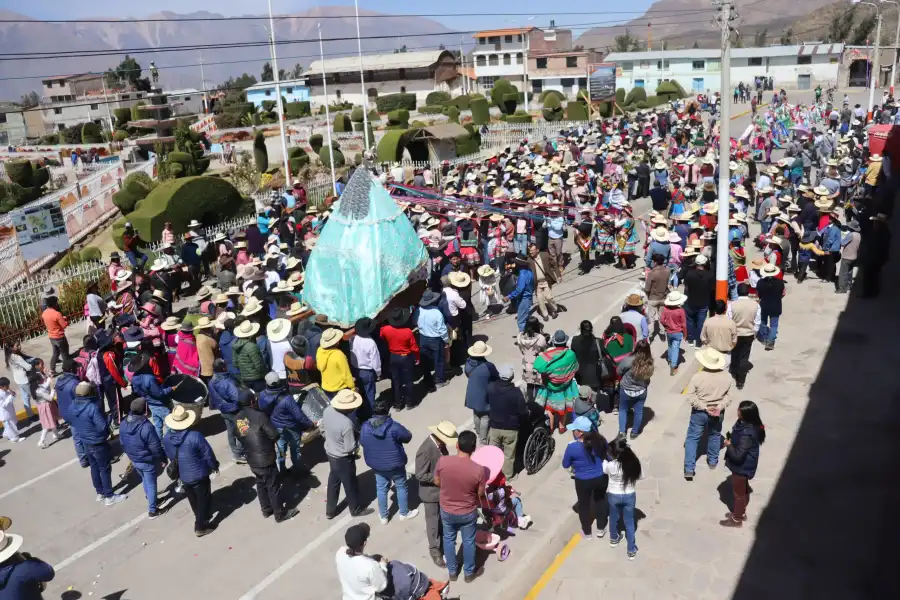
{"points": [[209, 232], [500, 135]]}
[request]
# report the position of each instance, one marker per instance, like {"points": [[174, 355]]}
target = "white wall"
{"points": [[351, 92], [556, 84]]}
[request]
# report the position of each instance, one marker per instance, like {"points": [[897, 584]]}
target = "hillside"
{"points": [[18, 38]]}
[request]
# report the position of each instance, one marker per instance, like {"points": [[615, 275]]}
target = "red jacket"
{"points": [[400, 340]]}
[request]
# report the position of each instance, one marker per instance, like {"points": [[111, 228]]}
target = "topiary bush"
{"points": [[481, 113], [90, 134], [396, 101], [296, 110], [654, 101], [127, 198], [120, 135], [679, 88], [390, 147], [123, 115], [547, 93], [210, 200], [668, 91], [461, 102], [453, 114], [315, 142], [342, 124], [437, 98], [641, 105], [432, 109], [260, 153], [356, 115], [577, 111], [297, 163], [30, 178], [142, 179], [520, 117], [505, 96], [398, 119], [374, 116], [467, 144], [241, 108], [326, 155], [553, 110], [636, 95], [136, 114], [620, 96]]}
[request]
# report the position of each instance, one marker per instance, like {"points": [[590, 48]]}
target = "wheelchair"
{"points": [[539, 442]]}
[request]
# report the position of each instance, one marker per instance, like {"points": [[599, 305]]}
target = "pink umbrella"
{"points": [[491, 458]]}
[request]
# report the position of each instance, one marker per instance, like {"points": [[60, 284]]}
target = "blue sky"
{"points": [[60, 9]]}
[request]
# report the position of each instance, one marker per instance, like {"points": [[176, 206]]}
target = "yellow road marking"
{"points": [[553, 568], [741, 114]]}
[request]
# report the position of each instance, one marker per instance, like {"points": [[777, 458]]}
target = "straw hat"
{"points": [[234, 291], [660, 234], [204, 292], [220, 320], [444, 431], [9, 545], [769, 270], [123, 275], [674, 238], [330, 338], [296, 279], [180, 418], [875, 158], [252, 307], [821, 190], [660, 165], [773, 211], [658, 219], [282, 287], [711, 207], [160, 264], [171, 324], [346, 399], [479, 349], [295, 309], [483, 271], [204, 323], [247, 329], [756, 263], [675, 298], [241, 245], [793, 207], [459, 279], [711, 359], [278, 330], [634, 300]]}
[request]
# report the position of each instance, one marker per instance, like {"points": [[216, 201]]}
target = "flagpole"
{"points": [[327, 113], [365, 97]]}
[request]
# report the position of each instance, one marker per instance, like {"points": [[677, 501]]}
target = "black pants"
{"points": [[740, 358], [267, 491], [60, 349], [199, 495], [591, 494], [343, 472], [829, 262], [113, 395]]}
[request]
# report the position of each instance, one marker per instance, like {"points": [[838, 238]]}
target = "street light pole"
{"points": [[873, 76], [281, 115], [203, 86], [726, 15], [327, 114], [365, 96], [896, 43]]}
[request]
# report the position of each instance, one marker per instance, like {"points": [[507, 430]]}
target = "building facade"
{"points": [[292, 90], [418, 73], [75, 99], [13, 130], [500, 53], [563, 71], [699, 70], [185, 102]]}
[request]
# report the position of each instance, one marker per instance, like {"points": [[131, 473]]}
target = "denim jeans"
{"points": [[466, 525], [695, 319], [367, 379], [25, 392], [402, 378], [158, 415], [432, 354], [523, 309], [768, 327], [521, 243], [149, 472], [702, 421], [288, 437], [631, 402], [234, 443], [80, 448], [100, 456], [137, 259], [624, 504], [674, 340], [383, 481]]}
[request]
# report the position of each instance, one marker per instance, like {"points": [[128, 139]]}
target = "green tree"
{"points": [[863, 30], [267, 73], [297, 71], [787, 37], [30, 100], [241, 82], [626, 42], [840, 25], [759, 40]]}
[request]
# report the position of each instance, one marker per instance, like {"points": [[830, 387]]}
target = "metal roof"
{"points": [[375, 62], [507, 31], [183, 92], [708, 53], [446, 131], [265, 85]]}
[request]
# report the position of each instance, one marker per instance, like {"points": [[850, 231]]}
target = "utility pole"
{"points": [[327, 115], [462, 64], [896, 42], [281, 107], [725, 16], [873, 76], [112, 127], [362, 82], [526, 36], [203, 86]]}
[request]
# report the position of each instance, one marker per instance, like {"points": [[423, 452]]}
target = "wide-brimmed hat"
{"points": [[365, 326], [769, 270], [711, 359], [875, 158], [153, 308], [160, 264], [330, 338], [9, 545], [459, 279], [123, 275], [204, 292], [180, 418], [346, 399], [278, 330], [282, 287], [246, 329], [444, 431], [675, 298], [485, 271], [480, 349], [429, 298], [398, 317], [824, 205], [634, 300], [252, 307], [171, 324], [222, 318], [559, 338], [295, 309], [204, 323], [660, 234]]}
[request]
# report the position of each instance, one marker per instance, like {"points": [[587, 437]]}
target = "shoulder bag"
{"points": [[172, 469]]}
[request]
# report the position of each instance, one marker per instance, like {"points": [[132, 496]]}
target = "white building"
{"points": [[74, 99], [698, 69], [185, 102], [500, 53]]}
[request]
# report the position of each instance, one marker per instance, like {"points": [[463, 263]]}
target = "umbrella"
{"points": [[801, 128], [491, 458]]}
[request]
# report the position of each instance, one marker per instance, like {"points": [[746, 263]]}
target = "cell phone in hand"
{"points": [[728, 435]]}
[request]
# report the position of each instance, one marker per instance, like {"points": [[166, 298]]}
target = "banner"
{"points": [[602, 82], [40, 230]]}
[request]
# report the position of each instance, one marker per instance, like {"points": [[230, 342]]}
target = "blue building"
{"points": [[293, 90]]}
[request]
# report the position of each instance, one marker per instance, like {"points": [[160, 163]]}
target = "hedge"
{"points": [[668, 91], [127, 198], [437, 98], [461, 102], [295, 110], [342, 124], [576, 111], [356, 115], [398, 118], [260, 153], [373, 116], [680, 88], [395, 101], [655, 101], [315, 142], [481, 113], [547, 93], [432, 109], [467, 144], [90, 134], [228, 120], [519, 117], [390, 148], [553, 110], [296, 163], [241, 108], [123, 115], [636, 95], [136, 114], [620, 96], [120, 135], [210, 200], [326, 154], [505, 96], [268, 105], [453, 114]]}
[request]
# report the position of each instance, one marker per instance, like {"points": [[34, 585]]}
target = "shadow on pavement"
{"points": [[829, 529]]}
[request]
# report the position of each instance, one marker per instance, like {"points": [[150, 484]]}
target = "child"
{"points": [[8, 412], [489, 287], [42, 389]]}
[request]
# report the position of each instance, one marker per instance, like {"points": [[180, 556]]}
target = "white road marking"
{"points": [[53, 471]]}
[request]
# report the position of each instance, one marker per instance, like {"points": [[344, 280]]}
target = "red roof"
{"points": [[496, 32]]}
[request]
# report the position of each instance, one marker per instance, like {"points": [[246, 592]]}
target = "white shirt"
{"points": [[454, 301], [616, 485], [364, 354], [7, 406], [279, 349], [360, 576]]}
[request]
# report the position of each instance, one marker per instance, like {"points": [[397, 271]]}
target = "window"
{"points": [[337, 94], [337, 77], [627, 65], [60, 126], [507, 60], [519, 37], [126, 96], [268, 92], [2, 117], [482, 41], [519, 58], [549, 36], [187, 98], [582, 83], [644, 64], [507, 39], [699, 65], [571, 62], [289, 90], [140, 95], [402, 73], [402, 89], [57, 111], [493, 60], [662, 65], [494, 39], [537, 86], [804, 60], [480, 60], [95, 107], [754, 61], [541, 63], [567, 83], [487, 82]]}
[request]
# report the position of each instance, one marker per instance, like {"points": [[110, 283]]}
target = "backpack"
{"points": [[91, 371]]}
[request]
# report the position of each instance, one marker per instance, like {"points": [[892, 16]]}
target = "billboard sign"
{"points": [[40, 230], [602, 82]]}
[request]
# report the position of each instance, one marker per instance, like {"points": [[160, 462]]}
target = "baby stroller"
{"points": [[539, 443]]}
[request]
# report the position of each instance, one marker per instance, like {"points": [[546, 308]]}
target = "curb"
{"points": [[740, 114]]}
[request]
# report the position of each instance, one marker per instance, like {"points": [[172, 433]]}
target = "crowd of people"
{"points": [[228, 311]]}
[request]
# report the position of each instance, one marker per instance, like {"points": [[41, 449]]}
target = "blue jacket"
{"points": [[87, 418], [577, 459], [22, 580], [742, 456], [524, 285], [657, 248], [196, 458], [146, 386], [382, 441], [831, 238], [226, 343], [65, 393], [283, 411], [223, 393], [140, 441], [480, 373]]}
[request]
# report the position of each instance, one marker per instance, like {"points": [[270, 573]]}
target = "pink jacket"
{"points": [[187, 360], [168, 237], [242, 257]]}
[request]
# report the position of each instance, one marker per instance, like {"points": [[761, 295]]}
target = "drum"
{"points": [[191, 393]]}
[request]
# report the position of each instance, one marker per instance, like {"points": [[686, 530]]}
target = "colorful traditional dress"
{"points": [[557, 366], [627, 238], [604, 237], [619, 346]]}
